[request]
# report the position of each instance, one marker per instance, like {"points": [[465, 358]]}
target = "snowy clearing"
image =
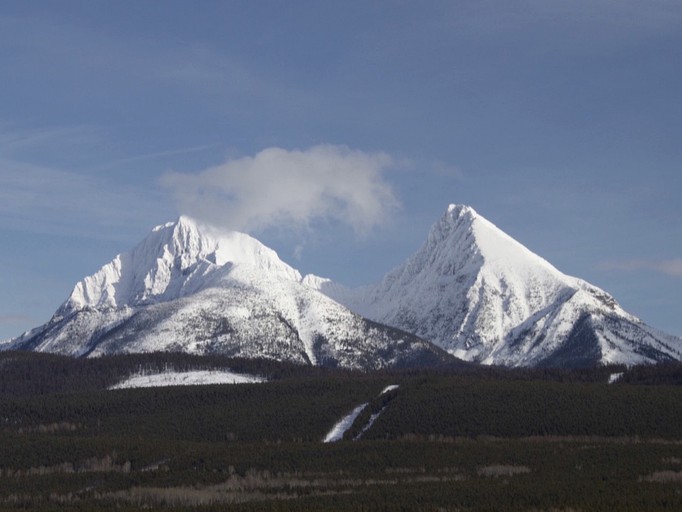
{"points": [[337, 431], [192, 378], [615, 377]]}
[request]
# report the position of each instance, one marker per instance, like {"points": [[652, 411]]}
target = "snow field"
{"points": [[341, 426], [337, 431], [191, 378]]}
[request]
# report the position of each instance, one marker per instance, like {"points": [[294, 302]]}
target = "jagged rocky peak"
{"points": [[174, 260], [189, 242], [451, 238], [195, 288], [456, 216], [184, 240]]}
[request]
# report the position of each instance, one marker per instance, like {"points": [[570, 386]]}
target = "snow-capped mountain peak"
{"points": [[462, 230], [464, 252], [471, 289], [198, 289], [174, 260], [481, 295]]}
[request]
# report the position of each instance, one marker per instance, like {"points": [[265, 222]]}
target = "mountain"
{"points": [[472, 291], [195, 289], [482, 296]]}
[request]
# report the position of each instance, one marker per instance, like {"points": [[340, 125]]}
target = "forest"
{"points": [[450, 438]]}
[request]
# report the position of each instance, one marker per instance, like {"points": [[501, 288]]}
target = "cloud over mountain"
{"points": [[279, 187]]}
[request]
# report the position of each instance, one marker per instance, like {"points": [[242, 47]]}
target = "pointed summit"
{"points": [[471, 289], [487, 240], [484, 297], [455, 218]]}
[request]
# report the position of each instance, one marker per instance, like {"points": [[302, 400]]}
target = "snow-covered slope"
{"points": [[471, 289], [484, 297], [187, 287]]}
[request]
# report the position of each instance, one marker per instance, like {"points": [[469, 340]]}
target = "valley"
{"points": [[451, 438], [200, 371]]}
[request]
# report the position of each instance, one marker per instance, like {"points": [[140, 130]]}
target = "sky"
{"points": [[338, 132]]}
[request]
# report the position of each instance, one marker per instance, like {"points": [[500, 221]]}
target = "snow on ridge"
{"points": [[190, 378]]}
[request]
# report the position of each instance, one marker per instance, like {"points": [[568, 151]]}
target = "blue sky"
{"points": [[560, 121]]}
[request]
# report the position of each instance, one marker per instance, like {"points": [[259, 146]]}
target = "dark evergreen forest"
{"points": [[451, 438]]}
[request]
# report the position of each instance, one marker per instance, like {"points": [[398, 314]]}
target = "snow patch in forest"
{"points": [[389, 388], [615, 377], [191, 378], [337, 431]]}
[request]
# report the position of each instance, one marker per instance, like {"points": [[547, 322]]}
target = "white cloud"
{"points": [[283, 188], [671, 267]]}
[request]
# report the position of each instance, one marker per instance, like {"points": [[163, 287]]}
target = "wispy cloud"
{"points": [[18, 140], [96, 60], [160, 154], [670, 267], [47, 200], [283, 188]]}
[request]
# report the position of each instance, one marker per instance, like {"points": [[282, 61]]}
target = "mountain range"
{"points": [[470, 293]]}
